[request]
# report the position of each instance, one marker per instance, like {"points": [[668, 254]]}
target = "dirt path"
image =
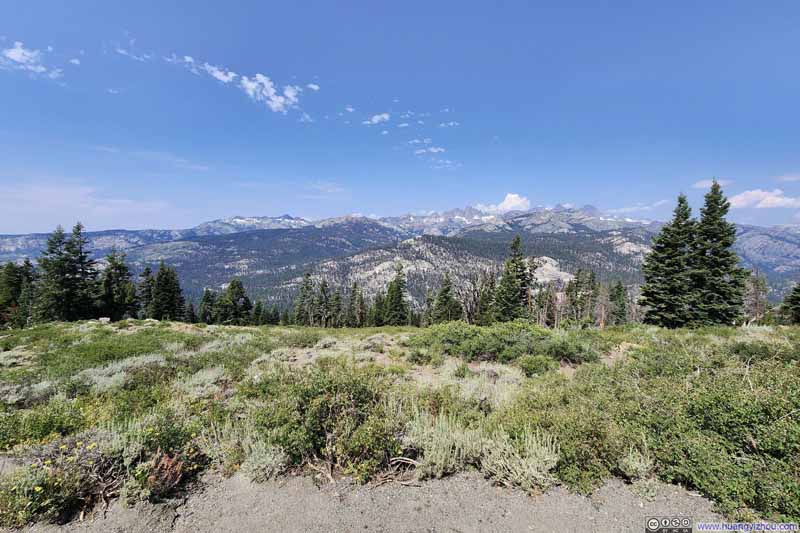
{"points": [[462, 503]]}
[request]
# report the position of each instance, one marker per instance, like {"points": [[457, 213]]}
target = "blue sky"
{"points": [[166, 114]]}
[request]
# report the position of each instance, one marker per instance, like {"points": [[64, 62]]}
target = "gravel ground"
{"points": [[460, 503]]}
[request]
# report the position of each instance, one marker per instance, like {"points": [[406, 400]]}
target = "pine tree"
{"points": [[10, 287], [144, 293], [53, 289], [235, 299], [396, 312], [581, 293], [189, 316], [446, 307], [337, 315], [377, 312], [513, 292], [717, 280], [22, 314], [755, 297], [117, 298], [167, 302], [792, 304], [666, 290], [484, 313], [258, 318], [81, 275], [14, 280], [360, 317], [619, 304], [302, 315], [205, 312]]}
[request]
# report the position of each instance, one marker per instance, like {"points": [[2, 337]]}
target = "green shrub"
{"points": [[532, 365], [526, 462], [302, 338], [443, 443], [503, 341], [333, 410], [57, 417], [61, 479], [567, 347]]}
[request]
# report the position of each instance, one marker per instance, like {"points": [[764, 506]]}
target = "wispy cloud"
{"points": [[403, 125], [426, 140], [132, 55], [787, 178], [451, 124], [430, 150], [639, 208], [155, 156], [705, 184], [225, 76], [512, 202], [260, 88], [761, 199], [349, 108], [29, 60], [75, 61], [377, 119], [321, 190]]}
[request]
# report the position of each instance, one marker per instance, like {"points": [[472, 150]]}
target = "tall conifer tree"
{"points": [[666, 290], [717, 279]]}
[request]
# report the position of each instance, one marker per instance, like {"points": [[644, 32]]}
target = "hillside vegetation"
{"points": [[139, 409]]}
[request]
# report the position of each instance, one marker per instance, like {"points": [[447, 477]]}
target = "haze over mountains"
{"points": [[270, 254]]}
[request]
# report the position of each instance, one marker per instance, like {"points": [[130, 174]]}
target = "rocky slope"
{"points": [[270, 253]]}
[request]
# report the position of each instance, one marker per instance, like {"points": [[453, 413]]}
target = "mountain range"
{"points": [[270, 254]]}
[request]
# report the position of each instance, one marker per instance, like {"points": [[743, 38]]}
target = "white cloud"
{"points": [[403, 125], [28, 60], [312, 86], [113, 91], [512, 202], [761, 199], [385, 132], [75, 61], [25, 58], [705, 184], [322, 190], [261, 89], [377, 119], [431, 150], [426, 140], [789, 177], [305, 117], [451, 124], [325, 187], [349, 108], [638, 208], [445, 164], [225, 76], [129, 54]]}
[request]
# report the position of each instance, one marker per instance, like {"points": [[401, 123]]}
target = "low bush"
{"points": [[60, 479], [332, 411], [532, 365], [301, 338], [57, 417], [526, 462], [503, 341]]}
